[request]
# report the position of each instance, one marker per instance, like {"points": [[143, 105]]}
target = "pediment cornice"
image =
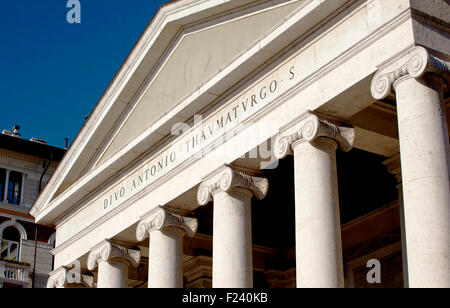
{"points": [[51, 206]]}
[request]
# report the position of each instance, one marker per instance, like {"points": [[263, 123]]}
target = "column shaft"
{"points": [[232, 240], [112, 274], [424, 148], [318, 233], [165, 268], [5, 194]]}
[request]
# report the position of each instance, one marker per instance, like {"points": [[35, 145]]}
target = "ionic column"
{"points": [[70, 277], [113, 260], [313, 142], [166, 230], [419, 80], [232, 239]]}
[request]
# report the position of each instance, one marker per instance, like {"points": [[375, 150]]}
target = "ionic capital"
{"points": [[308, 128], [226, 178], [415, 63], [162, 218], [70, 275], [109, 251]]}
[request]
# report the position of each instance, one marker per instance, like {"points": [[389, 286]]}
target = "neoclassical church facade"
{"points": [[283, 143]]}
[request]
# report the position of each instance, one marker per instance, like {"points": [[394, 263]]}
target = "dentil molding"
{"points": [[162, 218], [308, 128], [227, 178], [109, 251], [415, 63]]}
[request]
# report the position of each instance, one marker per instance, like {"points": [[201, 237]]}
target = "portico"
{"points": [[188, 154]]}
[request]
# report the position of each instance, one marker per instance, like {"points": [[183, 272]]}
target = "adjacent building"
{"points": [[265, 143], [25, 168]]}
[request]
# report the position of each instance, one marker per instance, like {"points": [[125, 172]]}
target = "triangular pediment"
{"points": [[197, 55], [189, 56]]}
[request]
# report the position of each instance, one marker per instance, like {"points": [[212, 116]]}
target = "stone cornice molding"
{"points": [[69, 275], [162, 218], [227, 178], [415, 63], [109, 251], [308, 128]]}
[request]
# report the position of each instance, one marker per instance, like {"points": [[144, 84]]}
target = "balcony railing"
{"points": [[12, 273]]}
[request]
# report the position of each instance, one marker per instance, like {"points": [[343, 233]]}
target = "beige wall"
{"points": [[32, 167], [44, 256]]}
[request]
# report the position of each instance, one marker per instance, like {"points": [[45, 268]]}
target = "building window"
{"points": [[2, 183], [10, 244], [14, 187]]}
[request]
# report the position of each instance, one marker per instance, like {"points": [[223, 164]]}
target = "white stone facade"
{"points": [[319, 77]]}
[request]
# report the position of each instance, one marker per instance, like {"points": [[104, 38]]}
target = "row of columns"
{"points": [[231, 190], [419, 80]]}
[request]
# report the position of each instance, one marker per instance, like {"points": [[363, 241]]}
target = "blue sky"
{"points": [[53, 73]]}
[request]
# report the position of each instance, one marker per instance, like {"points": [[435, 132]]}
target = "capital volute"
{"points": [[227, 178], [70, 275], [162, 218], [308, 128], [415, 63], [108, 251]]}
